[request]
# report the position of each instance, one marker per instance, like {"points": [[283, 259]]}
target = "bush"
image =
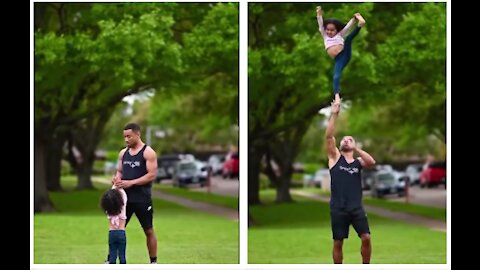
{"points": [[264, 182], [65, 168]]}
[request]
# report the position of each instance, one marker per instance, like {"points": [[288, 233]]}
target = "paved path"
{"points": [[408, 218]]}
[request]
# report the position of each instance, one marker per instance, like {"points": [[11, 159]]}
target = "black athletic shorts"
{"points": [[342, 218], [143, 211]]}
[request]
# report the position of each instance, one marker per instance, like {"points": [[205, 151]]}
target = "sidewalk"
{"points": [[225, 212], [408, 218]]}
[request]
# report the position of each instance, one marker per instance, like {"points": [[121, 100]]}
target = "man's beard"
{"points": [[345, 148]]}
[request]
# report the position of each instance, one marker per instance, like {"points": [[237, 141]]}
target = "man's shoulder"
{"points": [[149, 152]]}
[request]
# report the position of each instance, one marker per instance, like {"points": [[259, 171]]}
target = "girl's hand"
{"points": [[319, 11]]}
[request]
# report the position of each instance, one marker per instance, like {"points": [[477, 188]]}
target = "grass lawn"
{"points": [[300, 233], [415, 209], [78, 233], [225, 201]]}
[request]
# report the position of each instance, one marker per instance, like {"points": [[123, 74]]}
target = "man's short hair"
{"points": [[134, 127]]}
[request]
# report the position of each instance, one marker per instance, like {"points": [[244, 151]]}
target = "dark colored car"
{"points": [[435, 174], [190, 172], [385, 183], [166, 166]]}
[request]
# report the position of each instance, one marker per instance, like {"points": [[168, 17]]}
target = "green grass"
{"points": [[225, 201], [78, 233], [415, 209], [300, 233]]}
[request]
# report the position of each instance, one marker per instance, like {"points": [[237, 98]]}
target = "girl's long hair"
{"points": [[337, 23], [112, 202]]}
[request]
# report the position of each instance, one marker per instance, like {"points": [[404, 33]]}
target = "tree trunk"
{"points": [[54, 161], [283, 189], [86, 138], [282, 181], [41, 202], [284, 150], [84, 173], [254, 166]]}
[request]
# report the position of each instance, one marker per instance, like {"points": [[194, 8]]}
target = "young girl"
{"points": [[333, 32], [114, 203]]}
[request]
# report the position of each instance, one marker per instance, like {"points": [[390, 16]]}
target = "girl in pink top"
{"points": [[333, 32], [114, 203]]}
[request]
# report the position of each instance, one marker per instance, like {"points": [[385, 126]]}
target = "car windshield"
{"points": [[386, 178], [187, 167]]}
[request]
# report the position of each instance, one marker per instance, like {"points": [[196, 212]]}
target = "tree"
{"points": [[411, 103], [87, 58], [204, 105]]}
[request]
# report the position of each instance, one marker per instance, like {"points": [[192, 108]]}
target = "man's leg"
{"points": [[360, 224], [340, 224], [366, 249], [145, 216], [151, 244], [337, 251]]}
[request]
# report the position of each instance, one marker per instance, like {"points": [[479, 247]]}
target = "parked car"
{"points": [[166, 166], [190, 172], [367, 177], [216, 163], [401, 180], [321, 177], [384, 183], [231, 166], [413, 171], [434, 174], [368, 174]]}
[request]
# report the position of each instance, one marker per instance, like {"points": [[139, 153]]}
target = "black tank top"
{"points": [[134, 167], [346, 184]]}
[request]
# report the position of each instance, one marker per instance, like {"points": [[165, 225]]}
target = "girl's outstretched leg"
{"points": [[344, 57]]}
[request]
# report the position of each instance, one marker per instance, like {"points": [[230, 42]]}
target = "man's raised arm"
{"points": [[332, 150]]}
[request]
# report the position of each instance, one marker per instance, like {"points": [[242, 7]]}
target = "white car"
{"points": [[216, 163], [413, 171]]}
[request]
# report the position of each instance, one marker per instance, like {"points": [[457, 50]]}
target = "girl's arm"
{"points": [[320, 21], [347, 27]]}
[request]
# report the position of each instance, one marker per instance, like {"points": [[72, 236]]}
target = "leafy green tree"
{"points": [[87, 58], [204, 106]]}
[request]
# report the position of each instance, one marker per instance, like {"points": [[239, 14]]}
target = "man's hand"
{"points": [[335, 108], [125, 183], [358, 146], [319, 11], [115, 180]]}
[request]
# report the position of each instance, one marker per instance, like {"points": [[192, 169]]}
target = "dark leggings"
{"points": [[117, 243], [342, 59]]}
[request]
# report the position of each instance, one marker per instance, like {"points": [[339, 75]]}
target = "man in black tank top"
{"points": [[136, 169], [346, 189]]}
